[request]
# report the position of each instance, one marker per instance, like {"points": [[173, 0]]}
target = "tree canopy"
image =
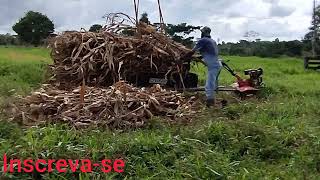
{"points": [[180, 33], [144, 18], [33, 27], [259, 48], [95, 28]]}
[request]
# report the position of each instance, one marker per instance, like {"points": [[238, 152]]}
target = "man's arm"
{"points": [[200, 61], [198, 47], [188, 56], [200, 44]]}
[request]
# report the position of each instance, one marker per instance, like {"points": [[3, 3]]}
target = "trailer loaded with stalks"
{"points": [[104, 58]]}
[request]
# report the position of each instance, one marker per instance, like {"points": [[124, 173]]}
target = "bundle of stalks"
{"points": [[105, 57], [120, 106]]}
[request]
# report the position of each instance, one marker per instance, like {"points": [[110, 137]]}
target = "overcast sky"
{"points": [[229, 19]]}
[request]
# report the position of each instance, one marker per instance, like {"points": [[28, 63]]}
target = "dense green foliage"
{"points": [[181, 33], [275, 136], [33, 27], [144, 18], [7, 39], [95, 28], [259, 48]]}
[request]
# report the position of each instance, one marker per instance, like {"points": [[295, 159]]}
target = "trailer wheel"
{"points": [[191, 80]]}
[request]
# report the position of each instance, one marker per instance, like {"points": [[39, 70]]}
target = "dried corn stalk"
{"points": [[119, 107], [106, 57]]}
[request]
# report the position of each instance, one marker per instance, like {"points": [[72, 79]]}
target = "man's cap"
{"points": [[206, 30]]}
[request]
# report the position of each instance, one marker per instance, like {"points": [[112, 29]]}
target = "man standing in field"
{"points": [[209, 51]]}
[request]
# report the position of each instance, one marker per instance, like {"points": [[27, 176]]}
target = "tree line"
{"points": [[34, 28], [276, 48]]}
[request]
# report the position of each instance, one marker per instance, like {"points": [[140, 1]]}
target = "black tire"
{"points": [[191, 80]]}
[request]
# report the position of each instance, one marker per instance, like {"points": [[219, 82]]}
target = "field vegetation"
{"points": [[274, 136]]}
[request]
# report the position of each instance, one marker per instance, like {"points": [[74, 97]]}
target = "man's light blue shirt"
{"points": [[209, 51]]}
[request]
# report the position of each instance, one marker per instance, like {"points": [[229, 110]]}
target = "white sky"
{"points": [[229, 19]]}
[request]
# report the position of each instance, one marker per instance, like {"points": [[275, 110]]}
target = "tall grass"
{"points": [[21, 69], [273, 137]]}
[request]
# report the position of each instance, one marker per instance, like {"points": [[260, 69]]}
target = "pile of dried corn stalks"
{"points": [[119, 107], [87, 62], [106, 57]]}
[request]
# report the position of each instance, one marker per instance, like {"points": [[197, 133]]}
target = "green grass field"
{"points": [[276, 136]]}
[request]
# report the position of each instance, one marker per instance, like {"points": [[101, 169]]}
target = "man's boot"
{"points": [[210, 103]]}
